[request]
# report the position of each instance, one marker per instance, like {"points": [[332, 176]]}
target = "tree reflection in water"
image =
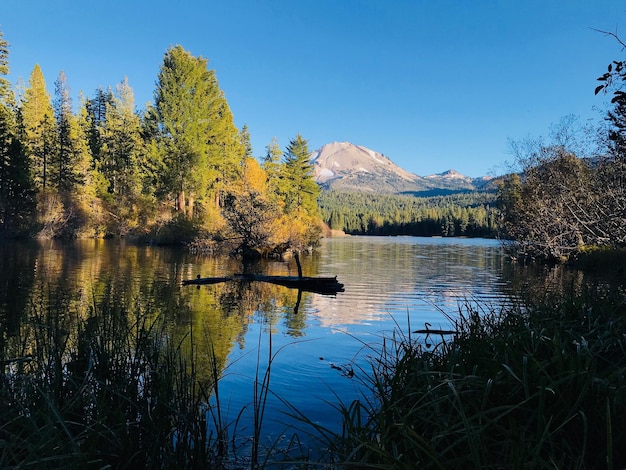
{"points": [[100, 344]]}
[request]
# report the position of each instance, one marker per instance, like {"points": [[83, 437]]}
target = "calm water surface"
{"points": [[397, 283], [389, 284]]}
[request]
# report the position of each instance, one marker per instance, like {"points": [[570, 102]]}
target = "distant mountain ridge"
{"points": [[349, 167]]}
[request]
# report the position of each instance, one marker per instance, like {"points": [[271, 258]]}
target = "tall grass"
{"points": [[537, 385], [109, 388], [541, 384], [111, 385]]}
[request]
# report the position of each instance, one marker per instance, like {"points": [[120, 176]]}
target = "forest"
{"points": [[471, 214], [175, 172]]}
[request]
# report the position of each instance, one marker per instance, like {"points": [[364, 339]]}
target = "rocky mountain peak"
{"points": [[339, 159], [449, 174], [346, 166]]}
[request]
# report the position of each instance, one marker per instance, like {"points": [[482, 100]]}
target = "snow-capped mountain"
{"points": [[345, 166]]}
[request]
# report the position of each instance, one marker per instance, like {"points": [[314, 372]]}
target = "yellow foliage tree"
{"points": [[249, 214]]}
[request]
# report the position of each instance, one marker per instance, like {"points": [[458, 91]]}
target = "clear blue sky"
{"points": [[432, 84]]}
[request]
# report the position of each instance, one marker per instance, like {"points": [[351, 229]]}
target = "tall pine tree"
{"points": [[37, 125], [298, 185], [64, 179], [96, 112], [197, 144], [69, 203], [226, 149], [121, 145], [16, 190], [183, 98], [272, 166], [245, 141]]}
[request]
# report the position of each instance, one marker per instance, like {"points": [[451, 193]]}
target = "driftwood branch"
{"points": [[429, 331]]}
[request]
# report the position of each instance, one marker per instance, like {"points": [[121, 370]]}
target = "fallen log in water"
{"points": [[320, 285]]}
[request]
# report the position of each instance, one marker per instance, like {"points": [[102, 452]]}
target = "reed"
{"points": [[541, 384], [105, 388]]}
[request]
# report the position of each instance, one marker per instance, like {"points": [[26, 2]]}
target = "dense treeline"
{"points": [[471, 214], [177, 171]]}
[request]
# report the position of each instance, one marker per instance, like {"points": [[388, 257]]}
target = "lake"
{"points": [[319, 345]]}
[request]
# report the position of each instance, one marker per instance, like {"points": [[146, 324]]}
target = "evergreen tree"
{"points": [[300, 225], [17, 201], [16, 191], [63, 172], [298, 186], [152, 156], [226, 150], [6, 128], [121, 145], [245, 141], [37, 125], [273, 155], [120, 164], [197, 143], [96, 111], [272, 165], [68, 206], [6, 95], [85, 193]]}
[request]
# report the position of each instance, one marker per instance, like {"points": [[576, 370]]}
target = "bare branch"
{"points": [[613, 35]]}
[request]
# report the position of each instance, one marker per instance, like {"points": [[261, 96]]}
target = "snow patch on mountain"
{"points": [[326, 173]]}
